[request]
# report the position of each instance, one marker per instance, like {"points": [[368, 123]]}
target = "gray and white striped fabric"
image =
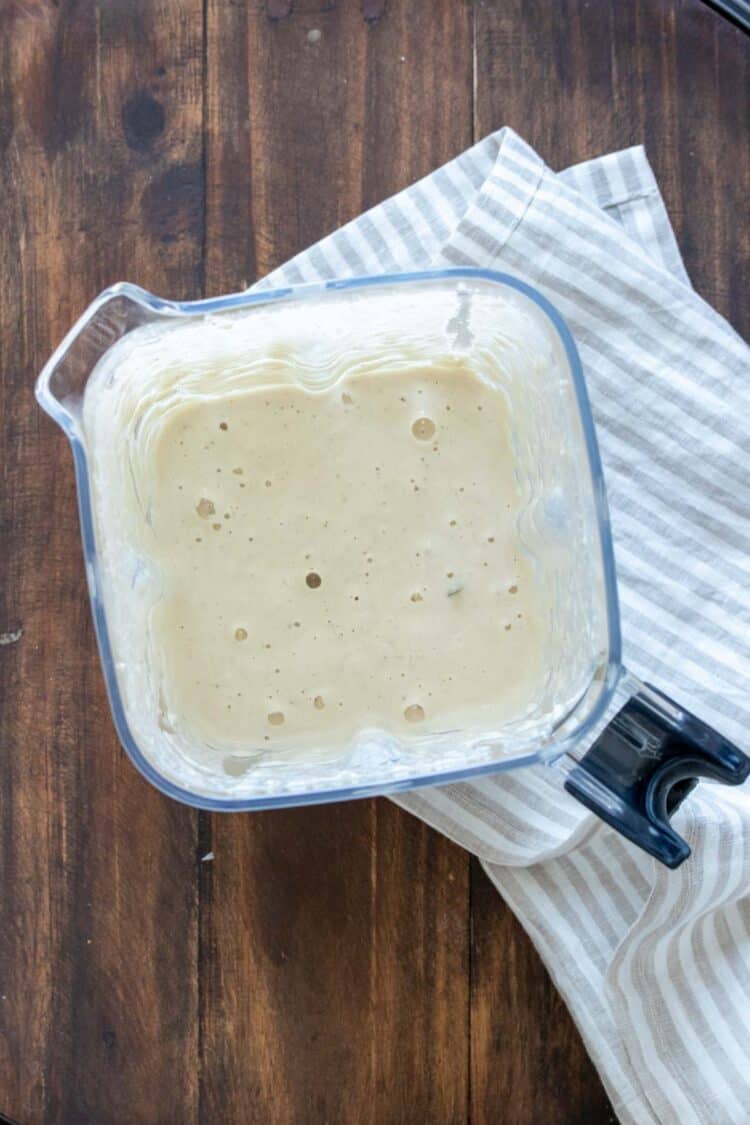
{"points": [[654, 964]]}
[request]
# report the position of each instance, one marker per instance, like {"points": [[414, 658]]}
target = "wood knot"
{"points": [[143, 120]]}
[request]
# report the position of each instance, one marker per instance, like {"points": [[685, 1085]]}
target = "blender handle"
{"points": [[643, 765]]}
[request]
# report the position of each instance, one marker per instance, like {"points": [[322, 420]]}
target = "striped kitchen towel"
{"points": [[654, 964]]}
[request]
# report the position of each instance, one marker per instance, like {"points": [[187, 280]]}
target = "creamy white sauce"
{"points": [[344, 516]]}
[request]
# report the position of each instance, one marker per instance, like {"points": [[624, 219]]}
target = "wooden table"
{"points": [[342, 964]]}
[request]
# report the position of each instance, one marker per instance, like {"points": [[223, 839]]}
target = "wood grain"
{"points": [[527, 1055], [98, 147], [345, 963]]}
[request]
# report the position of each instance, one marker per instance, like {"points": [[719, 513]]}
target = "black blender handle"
{"points": [[644, 764]]}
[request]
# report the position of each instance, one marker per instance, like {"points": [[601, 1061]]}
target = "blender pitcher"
{"points": [[625, 750]]}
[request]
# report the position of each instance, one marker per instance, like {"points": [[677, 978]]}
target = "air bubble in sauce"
{"points": [[423, 429]]}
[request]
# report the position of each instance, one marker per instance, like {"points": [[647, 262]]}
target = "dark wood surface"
{"points": [[342, 964]]}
